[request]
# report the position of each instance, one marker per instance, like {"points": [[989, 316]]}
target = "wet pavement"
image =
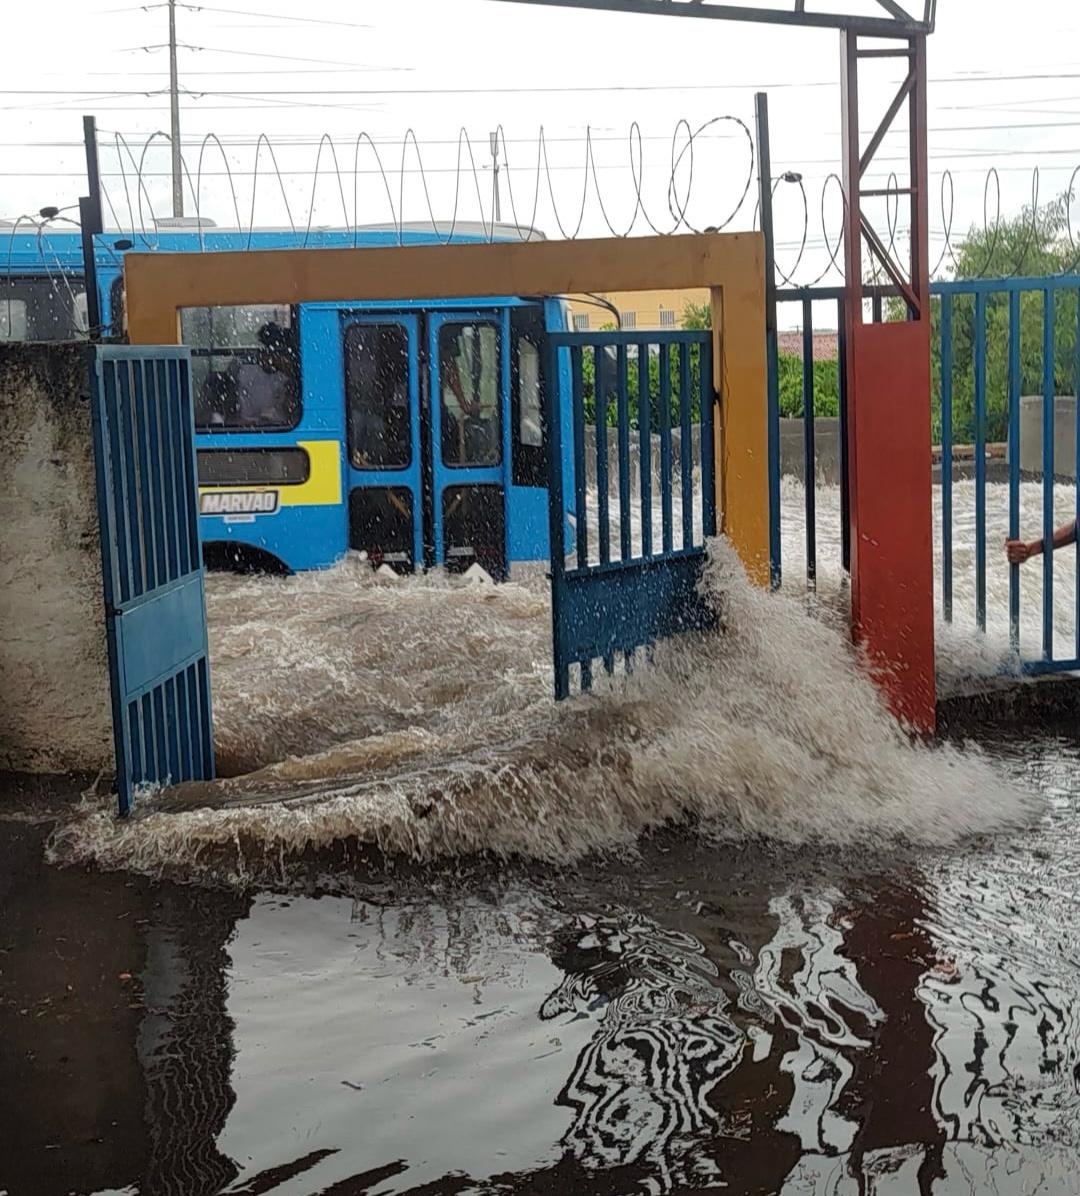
{"points": [[698, 1016]]}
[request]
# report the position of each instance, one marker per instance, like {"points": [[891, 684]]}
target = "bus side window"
{"points": [[377, 396], [115, 327], [530, 427], [14, 325], [470, 407], [528, 336], [42, 309], [245, 367]]}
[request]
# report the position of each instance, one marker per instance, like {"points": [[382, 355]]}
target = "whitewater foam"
{"points": [[417, 717]]}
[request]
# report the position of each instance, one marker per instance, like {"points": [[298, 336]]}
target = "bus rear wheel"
{"points": [[221, 556]]}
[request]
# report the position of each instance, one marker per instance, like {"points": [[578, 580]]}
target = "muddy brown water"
{"points": [[741, 1017]]}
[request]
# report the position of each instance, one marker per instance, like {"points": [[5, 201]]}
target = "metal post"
{"points": [[174, 117], [493, 141], [553, 400], [761, 116], [90, 221], [887, 367], [849, 120]]}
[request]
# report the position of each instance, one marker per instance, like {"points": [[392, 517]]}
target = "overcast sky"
{"points": [[1005, 93]]}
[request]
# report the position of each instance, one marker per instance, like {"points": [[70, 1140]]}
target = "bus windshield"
{"points": [[245, 367], [42, 309]]}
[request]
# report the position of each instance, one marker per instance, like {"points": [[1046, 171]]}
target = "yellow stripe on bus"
{"points": [[322, 488]]}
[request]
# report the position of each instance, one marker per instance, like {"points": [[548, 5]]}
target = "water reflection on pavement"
{"points": [[701, 1017]]}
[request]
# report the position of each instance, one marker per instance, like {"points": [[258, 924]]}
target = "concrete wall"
{"points": [[54, 688], [646, 306], [1031, 417], [827, 454], [826, 449]]}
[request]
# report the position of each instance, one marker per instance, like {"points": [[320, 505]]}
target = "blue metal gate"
{"points": [[144, 447], [634, 575]]}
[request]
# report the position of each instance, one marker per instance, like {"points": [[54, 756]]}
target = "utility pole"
{"points": [[174, 107], [493, 142]]}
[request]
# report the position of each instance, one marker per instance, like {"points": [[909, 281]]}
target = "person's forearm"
{"points": [[1065, 535]]}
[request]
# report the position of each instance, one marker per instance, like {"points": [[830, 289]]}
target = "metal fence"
{"points": [[1006, 371], [632, 576], [144, 450]]}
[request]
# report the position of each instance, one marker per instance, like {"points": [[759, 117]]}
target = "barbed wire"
{"points": [[809, 238], [466, 171]]}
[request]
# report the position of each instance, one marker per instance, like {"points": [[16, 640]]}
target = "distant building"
{"points": [[825, 346], [637, 309], [665, 309]]}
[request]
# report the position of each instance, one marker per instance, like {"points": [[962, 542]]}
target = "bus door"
{"points": [[385, 467], [469, 395]]}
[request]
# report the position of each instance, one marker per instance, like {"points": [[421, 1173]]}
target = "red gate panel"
{"points": [[892, 583]]}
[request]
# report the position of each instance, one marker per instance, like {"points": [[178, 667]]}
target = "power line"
{"points": [[234, 12], [276, 70], [241, 12], [353, 66], [515, 89]]}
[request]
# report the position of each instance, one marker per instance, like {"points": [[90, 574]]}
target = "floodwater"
{"points": [[721, 926]]}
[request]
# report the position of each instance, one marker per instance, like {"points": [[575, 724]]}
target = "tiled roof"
{"points": [[824, 345]]}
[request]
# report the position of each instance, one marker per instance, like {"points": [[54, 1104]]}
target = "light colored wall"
{"points": [[1031, 435], [792, 454], [54, 689], [646, 305]]}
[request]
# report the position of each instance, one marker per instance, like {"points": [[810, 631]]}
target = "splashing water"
{"points": [[416, 716]]}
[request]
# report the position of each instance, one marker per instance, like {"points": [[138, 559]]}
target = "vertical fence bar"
{"points": [[686, 448], [980, 461], [130, 464], [876, 307], [772, 384], [144, 505], [603, 514], [178, 429], [946, 456], [581, 506], [845, 497], [556, 521], [206, 722], [169, 466], [187, 757], [146, 706], [161, 744], [191, 469], [809, 452], [772, 406], [665, 446], [172, 724], [708, 459], [1076, 471], [154, 479], [1014, 464], [645, 447], [135, 776], [194, 717], [623, 432], [114, 481], [1048, 475]]}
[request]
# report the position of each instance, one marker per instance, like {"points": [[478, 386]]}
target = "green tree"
{"points": [[789, 372], [1033, 244], [609, 368], [696, 316]]}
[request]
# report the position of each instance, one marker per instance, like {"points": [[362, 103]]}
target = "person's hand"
{"points": [[1018, 551]]}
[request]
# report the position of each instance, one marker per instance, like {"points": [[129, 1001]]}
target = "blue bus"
{"points": [[413, 432]]}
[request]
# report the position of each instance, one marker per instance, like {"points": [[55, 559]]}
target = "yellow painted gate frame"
{"points": [[731, 265]]}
